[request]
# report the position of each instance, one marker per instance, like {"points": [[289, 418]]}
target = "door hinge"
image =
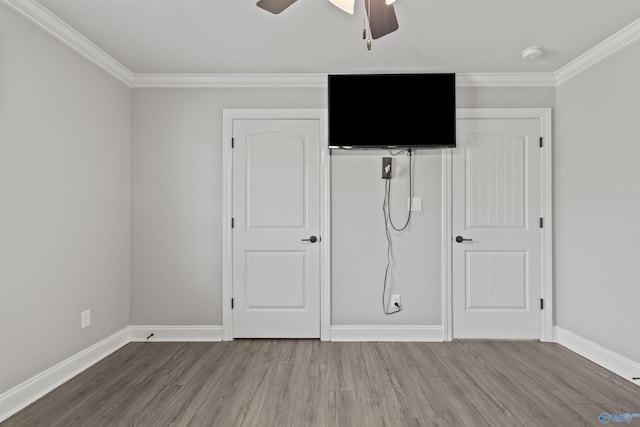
{"points": [[233, 143], [540, 142], [231, 303], [541, 304], [233, 222], [541, 222]]}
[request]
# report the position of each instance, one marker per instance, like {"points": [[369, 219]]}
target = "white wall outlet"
{"points": [[85, 318], [395, 299], [415, 203]]}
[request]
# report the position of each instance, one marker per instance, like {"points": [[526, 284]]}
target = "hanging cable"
{"points": [[397, 153], [386, 211], [388, 236]]}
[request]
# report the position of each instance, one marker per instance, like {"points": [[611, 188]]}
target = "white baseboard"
{"points": [[616, 363], [22, 395], [416, 333], [166, 333]]}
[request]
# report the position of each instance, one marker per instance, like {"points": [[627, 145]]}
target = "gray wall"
{"points": [[359, 245], [597, 204], [64, 201], [176, 213], [177, 198]]}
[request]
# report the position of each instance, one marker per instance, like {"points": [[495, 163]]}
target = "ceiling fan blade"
{"points": [[276, 6], [382, 18]]}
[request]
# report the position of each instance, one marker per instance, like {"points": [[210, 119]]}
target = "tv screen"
{"points": [[392, 110]]}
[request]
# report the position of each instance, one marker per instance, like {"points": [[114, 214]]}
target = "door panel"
{"points": [[276, 190], [496, 206], [496, 280], [495, 170], [276, 204], [276, 280]]}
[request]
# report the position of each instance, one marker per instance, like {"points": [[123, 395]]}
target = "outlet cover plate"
{"points": [[395, 298], [85, 319], [415, 203]]}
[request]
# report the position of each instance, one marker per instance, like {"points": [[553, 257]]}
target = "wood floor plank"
{"points": [[459, 403], [254, 417], [344, 410], [205, 389], [266, 383], [374, 411], [133, 381], [412, 422], [434, 388], [213, 404], [521, 401], [602, 387], [409, 400], [203, 373], [276, 408], [153, 412], [241, 392], [129, 395], [45, 412], [481, 397], [339, 367], [310, 403]]}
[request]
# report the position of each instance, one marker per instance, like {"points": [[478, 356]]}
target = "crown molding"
{"points": [[612, 44], [320, 80], [505, 80], [43, 18], [181, 80]]}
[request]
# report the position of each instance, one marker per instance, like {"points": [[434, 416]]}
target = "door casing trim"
{"points": [[546, 197], [228, 116]]}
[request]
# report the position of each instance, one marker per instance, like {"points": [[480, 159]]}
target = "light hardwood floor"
{"points": [[312, 383]]}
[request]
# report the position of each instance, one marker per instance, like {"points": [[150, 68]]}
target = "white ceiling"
{"points": [[313, 36]]}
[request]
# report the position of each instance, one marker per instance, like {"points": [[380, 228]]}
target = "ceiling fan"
{"points": [[380, 13]]}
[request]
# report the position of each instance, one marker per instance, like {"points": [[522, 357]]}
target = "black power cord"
{"points": [[388, 190], [386, 211]]}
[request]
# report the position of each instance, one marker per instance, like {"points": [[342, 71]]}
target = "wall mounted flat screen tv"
{"points": [[387, 111]]}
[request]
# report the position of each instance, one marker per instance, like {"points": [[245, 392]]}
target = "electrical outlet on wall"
{"points": [[395, 302], [85, 319]]}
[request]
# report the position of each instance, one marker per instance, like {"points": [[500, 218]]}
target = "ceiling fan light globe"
{"points": [[345, 5]]}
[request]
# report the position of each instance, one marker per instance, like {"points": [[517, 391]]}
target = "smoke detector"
{"points": [[531, 53]]}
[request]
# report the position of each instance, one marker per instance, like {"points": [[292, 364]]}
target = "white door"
{"points": [[496, 210], [276, 206]]}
